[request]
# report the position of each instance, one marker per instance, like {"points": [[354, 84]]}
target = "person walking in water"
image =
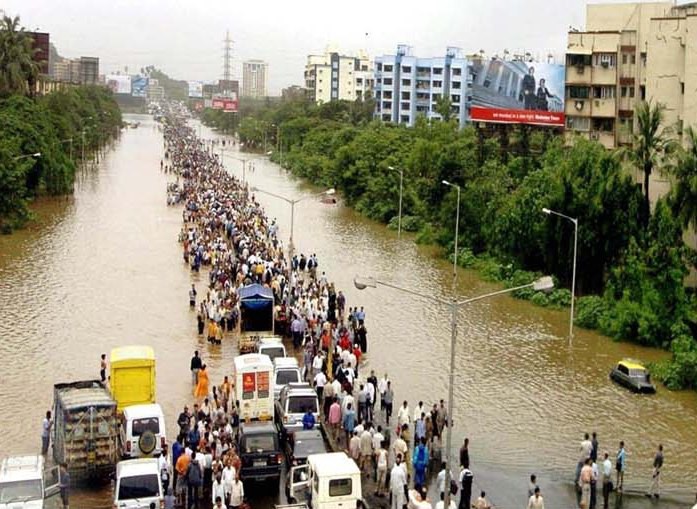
{"points": [[655, 488], [102, 368], [46, 432], [620, 465], [192, 296], [201, 391], [195, 367]]}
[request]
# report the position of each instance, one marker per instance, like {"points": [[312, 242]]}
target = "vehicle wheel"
{"points": [[147, 442]]}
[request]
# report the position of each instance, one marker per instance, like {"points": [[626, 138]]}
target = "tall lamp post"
{"points": [[543, 284], [292, 203], [35, 154], [574, 220], [401, 184], [457, 228]]}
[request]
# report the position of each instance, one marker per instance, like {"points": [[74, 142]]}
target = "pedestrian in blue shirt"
{"points": [[308, 419]]}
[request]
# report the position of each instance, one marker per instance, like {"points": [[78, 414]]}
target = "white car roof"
{"points": [[333, 463], [253, 359], [143, 411], [21, 468], [141, 466], [285, 362]]}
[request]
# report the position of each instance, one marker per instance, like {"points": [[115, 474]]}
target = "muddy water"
{"points": [[103, 269]]}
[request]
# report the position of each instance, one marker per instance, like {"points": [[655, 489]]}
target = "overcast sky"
{"points": [[185, 39]]}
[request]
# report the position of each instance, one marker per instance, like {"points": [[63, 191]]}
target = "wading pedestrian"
{"points": [[46, 425], [655, 487]]}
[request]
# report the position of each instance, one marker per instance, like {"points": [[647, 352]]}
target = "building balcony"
{"points": [[578, 107], [604, 107], [604, 75], [605, 138], [628, 71], [578, 74], [627, 103]]}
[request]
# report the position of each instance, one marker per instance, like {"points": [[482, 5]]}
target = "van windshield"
{"points": [[287, 376], [151, 424], [300, 404], [273, 351], [139, 486], [20, 491]]}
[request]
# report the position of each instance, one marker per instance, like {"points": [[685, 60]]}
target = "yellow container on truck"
{"points": [[132, 375]]}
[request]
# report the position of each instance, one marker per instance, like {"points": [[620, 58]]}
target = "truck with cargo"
{"points": [[86, 430], [132, 379], [256, 316], [253, 376]]}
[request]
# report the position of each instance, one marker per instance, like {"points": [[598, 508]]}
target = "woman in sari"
{"points": [[201, 390]]}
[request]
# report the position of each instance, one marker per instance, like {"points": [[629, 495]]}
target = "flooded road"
{"points": [[103, 268]]}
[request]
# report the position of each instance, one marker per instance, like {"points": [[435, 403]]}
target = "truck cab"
{"points": [[326, 481], [25, 483]]}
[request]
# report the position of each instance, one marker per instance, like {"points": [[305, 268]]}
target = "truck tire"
{"points": [[147, 442]]}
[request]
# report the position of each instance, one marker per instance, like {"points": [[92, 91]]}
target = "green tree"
{"points": [[651, 146], [683, 195], [444, 108], [18, 70]]}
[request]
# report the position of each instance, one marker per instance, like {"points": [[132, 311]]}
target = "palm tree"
{"points": [[683, 195], [18, 69], [651, 146]]}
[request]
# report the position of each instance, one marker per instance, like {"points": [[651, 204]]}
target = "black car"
{"points": [[260, 451], [302, 443]]}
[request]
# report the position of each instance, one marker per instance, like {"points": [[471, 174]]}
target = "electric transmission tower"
{"points": [[227, 57]]}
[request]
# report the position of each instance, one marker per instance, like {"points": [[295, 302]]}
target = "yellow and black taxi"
{"points": [[633, 375]]}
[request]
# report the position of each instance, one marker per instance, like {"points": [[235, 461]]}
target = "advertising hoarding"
{"points": [[139, 86], [228, 104], [195, 89], [517, 92], [119, 83]]}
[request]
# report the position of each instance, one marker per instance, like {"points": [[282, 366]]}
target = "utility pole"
{"points": [[227, 57]]}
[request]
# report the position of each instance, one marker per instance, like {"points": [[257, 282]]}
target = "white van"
{"points": [[286, 370], [138, 484], [143, 431], [24, 483], [254, 384], [327, 481], [272, 346]]}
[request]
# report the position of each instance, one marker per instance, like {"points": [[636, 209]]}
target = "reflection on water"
{"points": [[103, 268]]}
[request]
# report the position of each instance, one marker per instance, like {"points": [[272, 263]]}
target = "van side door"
{"points": [[52, 482], [299, 484]]}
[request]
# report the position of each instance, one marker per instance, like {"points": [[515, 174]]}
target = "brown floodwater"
{"points": [[103, 268]]}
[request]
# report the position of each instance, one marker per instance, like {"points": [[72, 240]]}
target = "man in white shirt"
{"points": [[440, 480], [237, 494], [317, 363], [586, 449], [398, 483], [403, 416], [420, 408], [606, 471], [382, 387], [366, 451], [418, 500], [536, 501], [378, 439], [381, 467], [217, 490], [441, 502], [320, 381]]}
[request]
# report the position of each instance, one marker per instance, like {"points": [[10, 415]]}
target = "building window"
{"points": [[364, 68], [386, 118], [437, 70], [578, 60], [625, 58], [631, 91], [406, 96], [604, 124], [633, 59], [405, 106], [682, 87], [359, 81], [379, 66], [605, 92], [437, 84], [642, 92], [387, 94], [579, 92], [457, 71], [388, 68], [404, 119], [435, 97], [608, 60], [455, 98], [457, 85], [643, 59], [335, 65], [387, 81], [406, 83], [406, 69], [578, 123]]}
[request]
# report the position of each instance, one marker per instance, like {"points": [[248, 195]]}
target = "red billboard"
{"points": [[517, 92], [224, 103]]}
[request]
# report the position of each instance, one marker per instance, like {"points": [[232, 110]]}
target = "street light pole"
{"points": [[291, 247], [457, 228], [573, 274], [542, 284], [401, 185], [24, 156]]}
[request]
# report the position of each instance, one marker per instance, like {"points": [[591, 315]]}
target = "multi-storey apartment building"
{"points": [[254, 76], [336, 77], [407, 86], [628, 53]]}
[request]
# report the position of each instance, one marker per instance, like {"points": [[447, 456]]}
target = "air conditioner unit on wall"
{"points": [[594, 135]]}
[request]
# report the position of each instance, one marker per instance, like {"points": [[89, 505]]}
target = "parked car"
{"points": [[633, 375], [286, 370], [138, 484], [302, 443], [260, 451], [293, 402], [143, 431], [25, 483], [271, 346]]}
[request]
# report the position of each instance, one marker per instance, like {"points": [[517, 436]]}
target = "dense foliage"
{"points": [[46, 125], [631, 264], [18, 68]]}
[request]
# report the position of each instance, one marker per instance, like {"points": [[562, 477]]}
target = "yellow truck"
{"points": [[132, 377]]}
